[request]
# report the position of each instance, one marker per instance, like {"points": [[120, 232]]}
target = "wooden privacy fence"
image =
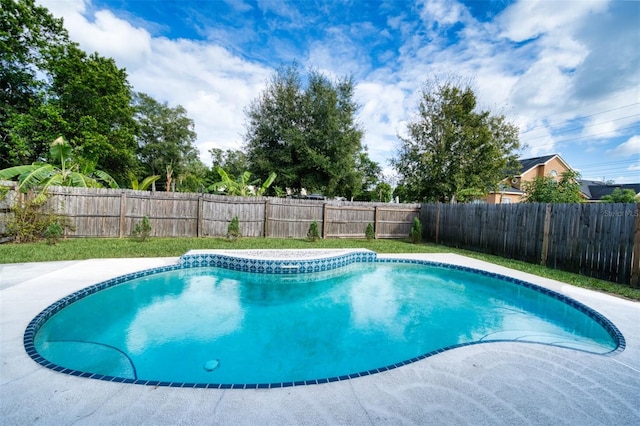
{"points": [[598, 240], [102, 212]]}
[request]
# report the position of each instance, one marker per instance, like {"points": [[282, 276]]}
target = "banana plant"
{"points": [[42, 175], [242, 187], [145, 184]]}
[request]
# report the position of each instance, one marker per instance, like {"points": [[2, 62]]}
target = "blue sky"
{"points": [[566, 72]]}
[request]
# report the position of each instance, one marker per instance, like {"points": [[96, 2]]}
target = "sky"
{"points": [[567, 73]]}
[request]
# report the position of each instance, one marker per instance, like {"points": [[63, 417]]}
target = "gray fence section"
{"points": [[102, 212], [597, 240]]}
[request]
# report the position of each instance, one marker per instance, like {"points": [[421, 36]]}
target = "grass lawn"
{"points": [[93, 248]]}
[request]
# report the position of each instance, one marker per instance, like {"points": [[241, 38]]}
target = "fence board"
{"points": [[596, 240], [599, 240]]}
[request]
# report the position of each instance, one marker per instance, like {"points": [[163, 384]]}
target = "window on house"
{"points": [[553, 173], [506, 200]]}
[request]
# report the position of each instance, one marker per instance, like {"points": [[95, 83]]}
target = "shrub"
{"points": [[313, 233], [369, 233], [53, 233], [233, 230], [31, 222], [416, 231], [142, 229]]}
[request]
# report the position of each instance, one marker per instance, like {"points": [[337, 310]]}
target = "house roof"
{"points": [[596, 192], [527, 164], [585, 186], [509, 189]]}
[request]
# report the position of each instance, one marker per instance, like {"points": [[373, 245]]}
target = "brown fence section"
{"points": [[102, 212], [597, 240]]}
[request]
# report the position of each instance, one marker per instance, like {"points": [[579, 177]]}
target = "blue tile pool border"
{"points": [[288, 267]]}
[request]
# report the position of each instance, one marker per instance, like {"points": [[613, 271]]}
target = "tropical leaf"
{"points": [[80, 180], [106, 177], [34, 176], [12, 172], [145, 184], [61, 151], [267, 183]]}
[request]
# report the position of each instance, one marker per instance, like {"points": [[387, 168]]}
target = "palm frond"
{"points": [[35, 176], [146, 183], [12, 172], [106, 177], [79, 180]]}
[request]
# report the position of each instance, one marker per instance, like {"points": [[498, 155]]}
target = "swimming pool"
{"points": [[216, 320]]}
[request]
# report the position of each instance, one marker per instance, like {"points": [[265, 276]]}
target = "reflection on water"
{"points": [[261, 328], [206, 308]]}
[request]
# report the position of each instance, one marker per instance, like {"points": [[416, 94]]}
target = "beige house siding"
{"points": [[552, 167]]}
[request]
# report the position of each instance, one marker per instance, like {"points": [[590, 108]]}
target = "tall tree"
{"points": [[31, 40], [95, 100], [233, 161], [450, 148], [165, 137], [307, 133]]}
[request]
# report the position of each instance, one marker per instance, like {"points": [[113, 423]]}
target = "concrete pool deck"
{"points": [[494, 383]]}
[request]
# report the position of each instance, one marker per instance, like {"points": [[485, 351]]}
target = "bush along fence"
{"points": [[597, 240], [114, 213]]}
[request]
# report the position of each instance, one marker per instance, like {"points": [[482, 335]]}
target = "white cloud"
{"points": [[628, 148], [548, 66], [528, 19], [211, 83]]}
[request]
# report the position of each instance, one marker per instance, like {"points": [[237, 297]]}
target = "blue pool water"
{"points": [[209, 325]]}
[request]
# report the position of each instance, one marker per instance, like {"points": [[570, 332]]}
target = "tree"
{"points": [[94, 101], [50, 87], [46, 175], [31, 39], [450, 148], [234, 162], [620, 195], [546, 189], [165, 137], [307, 133]]}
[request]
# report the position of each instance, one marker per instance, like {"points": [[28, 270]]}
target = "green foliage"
{"points": [[449, 147], [32, 221], [165, 137], [145, 184], [620, 195], [242, 186], [233, 230], [31, 39], [46, 175], [546, 189], [313, 233], [369, 233], [416, 231], [307, 132], [142, 230], [94, 101], [234, 162], [53, 233], [281, 193]]}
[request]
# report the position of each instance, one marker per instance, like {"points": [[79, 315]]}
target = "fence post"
{"points": [[123, 212], [635, 266], [545, 236], [375, 223], [324, 221], [437, 221], [199, 216], [267, 213]]}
